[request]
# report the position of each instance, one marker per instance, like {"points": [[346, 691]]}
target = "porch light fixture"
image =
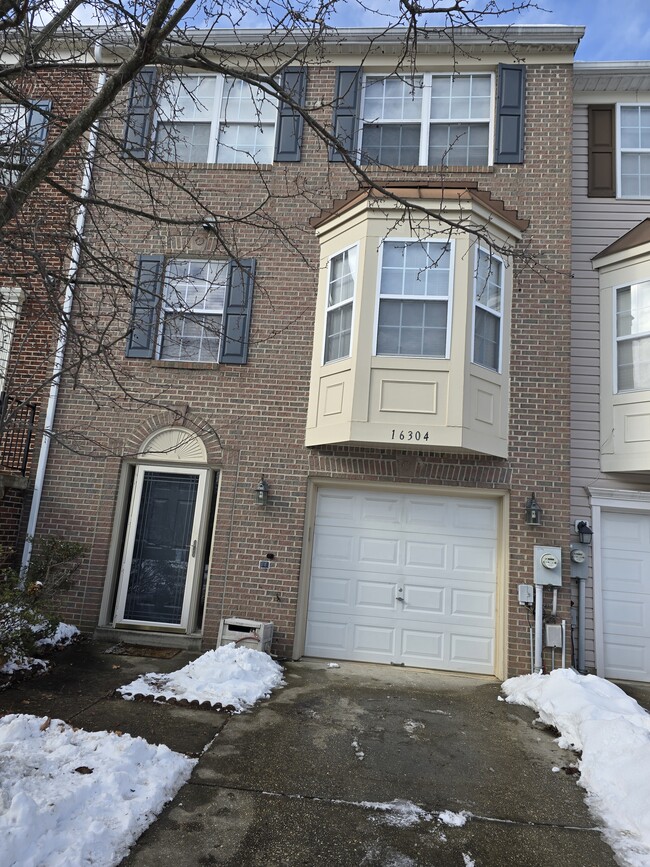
{"points": [[262, 493], [533, 512], [584, 532]]}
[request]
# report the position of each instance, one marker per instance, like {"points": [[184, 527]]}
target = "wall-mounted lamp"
{"points": [[262, 493], [584, 532], [533, 511]]}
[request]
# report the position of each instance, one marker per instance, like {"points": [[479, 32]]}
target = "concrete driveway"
{"points": [[369, 765]]}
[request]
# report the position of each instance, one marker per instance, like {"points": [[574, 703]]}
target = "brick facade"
{"points": [[256, 412]]}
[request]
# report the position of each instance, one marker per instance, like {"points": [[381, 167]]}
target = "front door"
{"points": [[159, 566]]}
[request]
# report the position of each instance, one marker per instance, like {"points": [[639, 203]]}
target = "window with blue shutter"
{"points": [[345, 122], [139, 120]]}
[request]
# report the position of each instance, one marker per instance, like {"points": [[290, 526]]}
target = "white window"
{"points": [[427, 120], [192, 310], [209, 118], [340, 300], [13, 130], [634, 151], [633, 337], [10, 303], [414, 296], [488, 302]]}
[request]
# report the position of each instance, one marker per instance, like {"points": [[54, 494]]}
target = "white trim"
{"points": [[445, 240], [194, 560], [11, 301]]}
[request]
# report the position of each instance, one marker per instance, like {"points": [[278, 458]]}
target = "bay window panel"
{"points": [[633, 368], [340, 298], [417, 328], [489, 281], [415, 268], [487, 334]]}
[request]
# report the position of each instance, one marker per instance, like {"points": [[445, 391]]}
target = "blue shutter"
{"points": [[345, 123], [139, 119], [510, 114], [37, 121], [290, 122], [141, 342], [235, 327]]}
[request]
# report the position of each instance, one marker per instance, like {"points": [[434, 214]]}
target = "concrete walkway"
{"points": [[298, 780]]}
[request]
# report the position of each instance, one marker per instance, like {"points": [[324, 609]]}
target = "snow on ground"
{"points": [[71, 797], [63, 635], [613, 733], [231, 677]]}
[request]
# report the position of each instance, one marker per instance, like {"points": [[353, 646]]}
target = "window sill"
{"points": [[240, 167], [187, 365]]}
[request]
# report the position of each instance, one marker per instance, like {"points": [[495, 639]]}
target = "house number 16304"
{"points": [[415, 436]]}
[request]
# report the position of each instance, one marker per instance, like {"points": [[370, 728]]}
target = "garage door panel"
{"points": [[336, 507], [625, 530], [627, 658], [427, 555], [626, 572], [472, 650], [474, 558], [423, 600], [420, 645], [624, 615], [436, 552], [375, 595], [472, 604]]}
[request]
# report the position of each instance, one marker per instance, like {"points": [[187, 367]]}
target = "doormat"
{"points": [[144, 650]]}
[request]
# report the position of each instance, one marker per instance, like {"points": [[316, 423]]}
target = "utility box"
{"points": [[553, 635], [246, 633], [547, 567]]}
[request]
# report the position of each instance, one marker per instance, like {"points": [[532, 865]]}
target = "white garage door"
{"points": [[625, 552], [404, 578]]}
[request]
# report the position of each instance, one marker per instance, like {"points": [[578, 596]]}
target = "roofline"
{"points": [[589, 67]]}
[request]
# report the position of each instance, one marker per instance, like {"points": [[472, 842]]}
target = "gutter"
{"points": [[59, 356]]}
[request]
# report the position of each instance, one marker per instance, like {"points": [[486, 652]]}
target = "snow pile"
{"points": [[402, 814], [229, 677], [613, 733], [73, 797], [63, 635]]}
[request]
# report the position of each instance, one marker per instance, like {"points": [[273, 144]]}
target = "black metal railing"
{"points": [[16, 427]]}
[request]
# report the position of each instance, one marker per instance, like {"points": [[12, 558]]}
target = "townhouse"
{"points": [[610, 384], [339, 396]]}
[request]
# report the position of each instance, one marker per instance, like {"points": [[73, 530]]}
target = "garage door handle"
{"points": [[399, 596]]}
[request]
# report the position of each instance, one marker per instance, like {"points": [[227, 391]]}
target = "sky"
{"points": [[615, 29]]}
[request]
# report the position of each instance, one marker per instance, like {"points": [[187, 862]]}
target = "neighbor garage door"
{"points": [[625, 579], [404, 578]]}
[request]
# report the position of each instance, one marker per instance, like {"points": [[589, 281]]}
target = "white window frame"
{"points": [[616, 340], [425, 119], [352, 301], [11, 300], [216, 120], [167, 307], [444, 240], [620, 150], [476, 303]]}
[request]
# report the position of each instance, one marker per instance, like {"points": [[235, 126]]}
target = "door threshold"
{"points": [[149, 637]]}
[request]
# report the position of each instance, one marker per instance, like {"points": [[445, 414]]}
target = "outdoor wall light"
{"points": [[533, 512], [262, 493], [584, 532]]}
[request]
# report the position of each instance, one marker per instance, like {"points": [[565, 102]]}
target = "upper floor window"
{"points": [[633, 337], [634, 157], [23, 132], [427, 119], [192, 310], [488, 301], [414, 294], [340, 299], [209, 118]]}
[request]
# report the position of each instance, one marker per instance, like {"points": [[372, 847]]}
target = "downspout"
{"points": [[66, 311]]}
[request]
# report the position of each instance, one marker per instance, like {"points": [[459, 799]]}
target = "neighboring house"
{"points": [[611, 358], [33, 264], [343, 406]]}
